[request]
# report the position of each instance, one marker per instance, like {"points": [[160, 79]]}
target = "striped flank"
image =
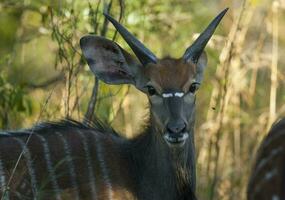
{"points": [[103, 166], [267, 160], [49, 166], [70, 164], [2, 176], [89, 164], [265, 179], [29, 162]]}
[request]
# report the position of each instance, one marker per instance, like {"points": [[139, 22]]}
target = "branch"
{"points": [[91, 105], [107, 9], [122, 10], [92, 102], [47, 83], [274, 65]]}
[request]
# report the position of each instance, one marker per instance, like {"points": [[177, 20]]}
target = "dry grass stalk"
{"points": [[219, 151], [274, 64]]}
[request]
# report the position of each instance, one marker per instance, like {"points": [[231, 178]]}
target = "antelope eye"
{"points": [[194, 87], [151, 90]]}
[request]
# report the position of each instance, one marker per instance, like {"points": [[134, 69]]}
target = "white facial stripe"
{"points": [[179, 94], [176, 94], [167, 95]]}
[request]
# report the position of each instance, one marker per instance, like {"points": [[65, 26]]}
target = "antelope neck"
{"points": [[162, 168]]}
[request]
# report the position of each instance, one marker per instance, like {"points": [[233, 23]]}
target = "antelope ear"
{"points": [[108, 61], [201, 65]]}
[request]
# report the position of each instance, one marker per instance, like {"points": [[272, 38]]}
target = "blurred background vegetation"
{"points": [[43, 76]]}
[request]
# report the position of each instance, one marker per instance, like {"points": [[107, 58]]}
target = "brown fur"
{"points": [[167, 70], [117, 168]]}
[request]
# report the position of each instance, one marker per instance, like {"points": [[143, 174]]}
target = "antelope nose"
{"points": [[176, 127]]}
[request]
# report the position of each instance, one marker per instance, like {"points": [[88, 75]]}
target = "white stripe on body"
{"points": [[89, 164], [4, 134], [70, 164], [49, 166], [29, 162], [2, 177], [267, 159], [275, 197], [3, 185], [265, 180], [103, 166]]}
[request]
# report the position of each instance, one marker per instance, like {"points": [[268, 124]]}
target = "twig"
{"points": [[107, 8], [109, 95], [91, 105], [92, 102], [120, 106], [223, 104], [47, 83], [274, 64], [256, 57], [122, 10]]}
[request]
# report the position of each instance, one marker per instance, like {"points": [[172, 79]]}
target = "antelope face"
{"points": [[169, 83], [171, 86]]}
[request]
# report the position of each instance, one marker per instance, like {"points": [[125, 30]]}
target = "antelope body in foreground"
{"points": [[267, 181], [68, 160]]}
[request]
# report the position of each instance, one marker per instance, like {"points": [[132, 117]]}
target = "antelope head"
{"points": [[169, 83]]}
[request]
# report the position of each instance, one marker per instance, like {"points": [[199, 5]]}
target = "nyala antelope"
{"points": [[267, 181], [69, 160]]}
